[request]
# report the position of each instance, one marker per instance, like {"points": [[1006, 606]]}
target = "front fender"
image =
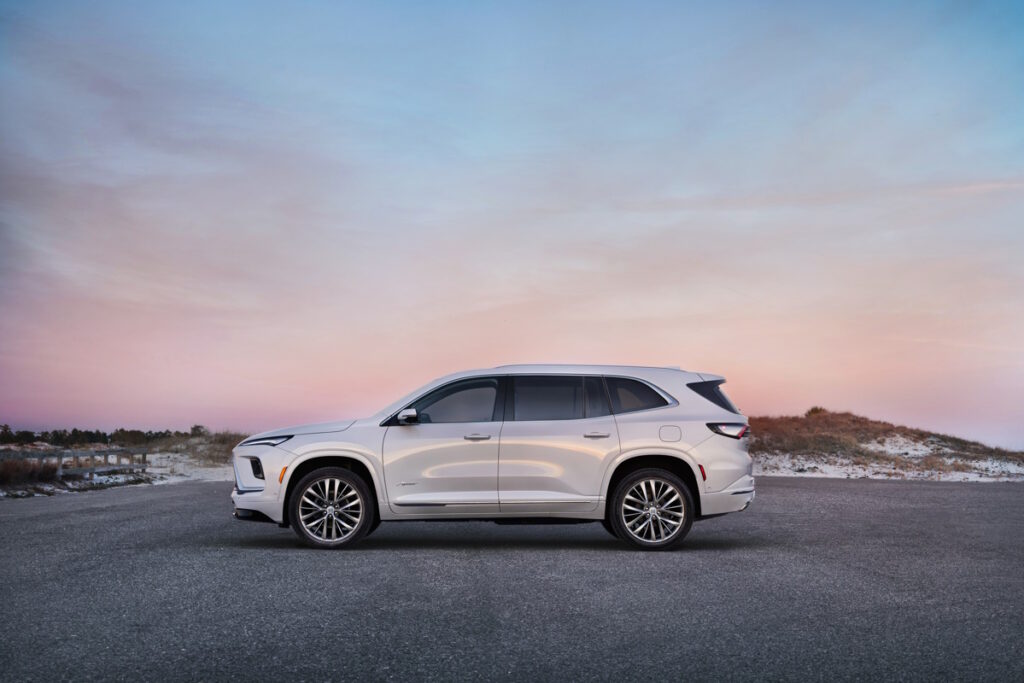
{"points": [[372, 466]]}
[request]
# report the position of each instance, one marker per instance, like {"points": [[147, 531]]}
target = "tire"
{"points": [[608, 527], [343, 498], [652, 509]]}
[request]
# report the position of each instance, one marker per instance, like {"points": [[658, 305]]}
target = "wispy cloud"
{"points": [[292, 217]]}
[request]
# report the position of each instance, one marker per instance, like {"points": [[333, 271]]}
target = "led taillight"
{"points": [[734, 430]]}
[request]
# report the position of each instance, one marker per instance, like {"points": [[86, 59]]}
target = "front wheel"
{"points": [[331, 508], [652, 509]]}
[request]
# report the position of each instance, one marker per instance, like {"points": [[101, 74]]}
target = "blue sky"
{"points": [[252, 213]]}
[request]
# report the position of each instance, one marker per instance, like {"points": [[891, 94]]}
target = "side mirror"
{"points": [[408, 417]]}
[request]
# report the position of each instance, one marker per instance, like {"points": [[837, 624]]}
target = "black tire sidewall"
{"points": [[608, 527], [367, 521], [626, 484]]}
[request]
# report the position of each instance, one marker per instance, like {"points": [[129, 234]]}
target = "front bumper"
{"points": [[251, 516], [257, 503], [260, 496]]}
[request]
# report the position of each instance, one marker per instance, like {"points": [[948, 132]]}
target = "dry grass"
{"points": [[209, 449], [823, 433], [218, 450], [20, 471], [212, 449]]}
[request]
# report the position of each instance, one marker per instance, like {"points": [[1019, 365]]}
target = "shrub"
{"points": [[220, 447], [17, 471]]}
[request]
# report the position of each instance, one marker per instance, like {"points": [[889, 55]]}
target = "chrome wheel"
{"points": [[653, 511], [330, 509]]}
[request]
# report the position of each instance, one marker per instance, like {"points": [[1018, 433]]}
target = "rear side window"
{"points": [[629, 395], [597, 400], [547, 398], [471, 400]]}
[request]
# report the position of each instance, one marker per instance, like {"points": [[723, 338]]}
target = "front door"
{"points": [[447, 462], [558, 438]]}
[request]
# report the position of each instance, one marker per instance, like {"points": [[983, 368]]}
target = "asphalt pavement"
{"points": [[819, 579]]}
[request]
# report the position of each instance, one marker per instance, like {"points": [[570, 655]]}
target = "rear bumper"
{"points": [[735, 498]]}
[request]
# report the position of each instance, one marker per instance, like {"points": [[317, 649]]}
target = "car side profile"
{"points": [[645, 451]]}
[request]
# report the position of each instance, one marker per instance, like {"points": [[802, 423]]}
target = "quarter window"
{"points": [[547, 398], [470, 400], [629, 395]]}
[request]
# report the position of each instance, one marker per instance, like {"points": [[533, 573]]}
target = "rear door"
{"points": [[448, 462], [557, 438]]}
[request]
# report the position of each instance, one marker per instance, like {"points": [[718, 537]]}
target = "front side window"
{"points": [[470, 400], [629, 395], [545, 397]]}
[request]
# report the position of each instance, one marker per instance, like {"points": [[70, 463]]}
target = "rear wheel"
{"points": [[652, 509], [331, 508]]}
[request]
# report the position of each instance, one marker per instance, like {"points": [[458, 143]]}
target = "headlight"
{"points": [[266, 441]]}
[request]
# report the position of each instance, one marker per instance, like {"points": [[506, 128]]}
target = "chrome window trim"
{"points": [[670, 400]]}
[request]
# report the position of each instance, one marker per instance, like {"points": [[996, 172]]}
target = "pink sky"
{"points": [[304, 224]]}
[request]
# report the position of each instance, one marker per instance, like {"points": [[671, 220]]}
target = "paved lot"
{"points": [[818, 579]]}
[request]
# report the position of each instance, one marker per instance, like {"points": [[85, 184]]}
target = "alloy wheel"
{"points": [[330, 509], [653, 511]]}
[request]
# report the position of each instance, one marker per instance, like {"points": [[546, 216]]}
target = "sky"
{"points": [[248, 215]]}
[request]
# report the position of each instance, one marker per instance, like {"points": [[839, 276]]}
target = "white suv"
{"points": [[645, 451]]}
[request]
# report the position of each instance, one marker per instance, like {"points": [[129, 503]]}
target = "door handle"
{"points": [[596, 435], [477, 437]]}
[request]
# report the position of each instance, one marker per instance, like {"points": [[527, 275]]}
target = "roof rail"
{"points": [[588, 365]]}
